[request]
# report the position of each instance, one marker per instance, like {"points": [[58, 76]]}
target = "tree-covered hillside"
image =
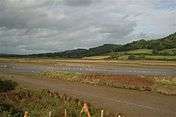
{"points": [[168, 42]]}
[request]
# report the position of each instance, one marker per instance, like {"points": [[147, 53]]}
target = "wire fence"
{"points": [[85, 109]]}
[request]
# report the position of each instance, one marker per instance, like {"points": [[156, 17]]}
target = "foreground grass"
{"points": [[161, 84], [39, 103]]}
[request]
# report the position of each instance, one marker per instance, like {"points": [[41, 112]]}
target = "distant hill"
{"points": [[168, 42], [79, 53]]}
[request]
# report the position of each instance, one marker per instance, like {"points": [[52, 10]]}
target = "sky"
{"points": [[42, 26]]}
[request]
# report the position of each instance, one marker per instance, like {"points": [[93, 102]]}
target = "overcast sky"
{"points": [[39, 26]]}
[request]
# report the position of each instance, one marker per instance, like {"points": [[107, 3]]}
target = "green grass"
{"points": [[146, 57], [123, 57], [145, 54], [160, 57], [96, 57], [140, 51], [171, 52], [39, 103]]}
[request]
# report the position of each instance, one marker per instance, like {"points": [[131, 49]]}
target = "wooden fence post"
{"points": [[119, 115], [86, 110], [102, 113], [50, 114], [65, 113], [26, 114]]}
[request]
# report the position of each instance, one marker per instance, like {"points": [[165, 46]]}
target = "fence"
{"points": [[85, 109]]}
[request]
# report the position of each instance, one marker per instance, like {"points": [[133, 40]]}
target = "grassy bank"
{"points": [[14, 102], [40, 103]]}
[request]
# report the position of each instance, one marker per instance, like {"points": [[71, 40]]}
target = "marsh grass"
{"points": [[161, 84], [69, 76], [165, 85]]}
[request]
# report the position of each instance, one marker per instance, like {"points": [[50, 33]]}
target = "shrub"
{"points": [[131, 57], [7, 85], [7, 110], [114, 56], [136, 57]]}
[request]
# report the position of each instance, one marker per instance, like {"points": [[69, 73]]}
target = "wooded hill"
{"points": [[168, 42]]}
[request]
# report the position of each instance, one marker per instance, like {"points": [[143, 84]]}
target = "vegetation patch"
{"points": [[40, 102], [140, 51], [7, 85], [14, 103], [161, 84], [171, 52], [69, 76], [165, 85]]}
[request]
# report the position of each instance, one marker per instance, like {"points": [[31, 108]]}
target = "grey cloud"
{"points": [[28, 14], [119, 30], [12, 20], [78, 2], [35, 26]]}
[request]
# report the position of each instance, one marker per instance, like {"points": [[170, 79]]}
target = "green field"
{"points": [[161, 58], [140, 51], [168, 52], [144, 54], [96, 57]]}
